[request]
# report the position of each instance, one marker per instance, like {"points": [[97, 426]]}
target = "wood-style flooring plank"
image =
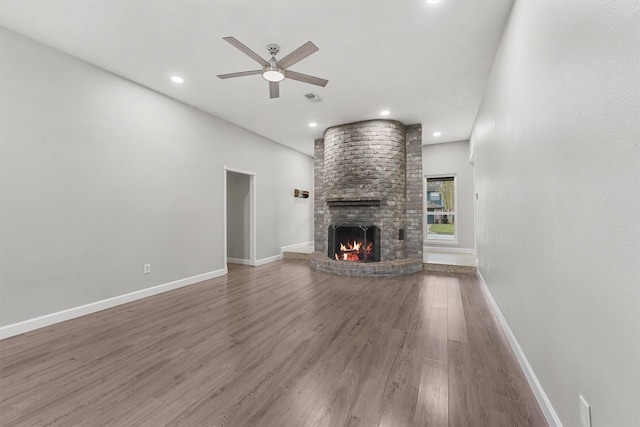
{"points": [[432, 406], [426, 297], [456, 323], [437, 335], [464, 406], [403, 388], [403, 318], [275, 345], [370, 403], [357, 422], [440, 299]]}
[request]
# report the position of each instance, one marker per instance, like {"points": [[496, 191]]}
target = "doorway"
{"points": [[239, 213]]}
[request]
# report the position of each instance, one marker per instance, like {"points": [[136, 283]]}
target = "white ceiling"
{"points": [[425, 63]]}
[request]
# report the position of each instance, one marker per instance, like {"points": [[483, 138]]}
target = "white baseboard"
{"points": [[259, 262], [264, 261], [448, 250], [296, 246], [72, 313], [239, 261], [538, 391]]}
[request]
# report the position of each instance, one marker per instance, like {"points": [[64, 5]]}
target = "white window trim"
{"points": [[455, 203]]}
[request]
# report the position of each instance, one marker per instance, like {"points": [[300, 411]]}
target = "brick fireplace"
{"points": [[368, 177]]}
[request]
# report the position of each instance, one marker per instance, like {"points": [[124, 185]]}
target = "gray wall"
{"points": [[558, 163], [453, 158], [238, 216], [99, 176]]}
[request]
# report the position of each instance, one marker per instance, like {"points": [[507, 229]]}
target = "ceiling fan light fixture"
{"points": [[273, 74]]}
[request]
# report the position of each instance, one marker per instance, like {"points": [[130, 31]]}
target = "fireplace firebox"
{"points": [[354, 243]]}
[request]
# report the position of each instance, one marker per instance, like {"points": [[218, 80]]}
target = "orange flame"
{"points": [[350, 252]]}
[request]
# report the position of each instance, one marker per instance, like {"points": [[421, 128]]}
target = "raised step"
{"points": [[443, 262], [299, 253], [445, 268]]}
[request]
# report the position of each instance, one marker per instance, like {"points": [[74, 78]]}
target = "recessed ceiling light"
{"points": [[385, 112], [177, 79], [313, 124], [437, 133], [433, 1]]}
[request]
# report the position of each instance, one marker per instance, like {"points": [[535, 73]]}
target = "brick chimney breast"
{"points": [[363, 172]]}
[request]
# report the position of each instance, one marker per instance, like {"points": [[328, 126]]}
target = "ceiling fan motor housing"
{"points": [[273, 49]]}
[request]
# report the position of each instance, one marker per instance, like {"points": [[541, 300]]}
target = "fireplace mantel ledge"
{"points": [[353, 201]]}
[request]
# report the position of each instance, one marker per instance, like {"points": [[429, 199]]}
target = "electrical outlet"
{"points": [[585, 412], [147, 268]]}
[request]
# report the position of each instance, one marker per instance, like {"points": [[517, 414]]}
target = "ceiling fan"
{"points": [[274, 71]]}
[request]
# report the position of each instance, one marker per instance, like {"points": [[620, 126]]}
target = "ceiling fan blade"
{"points": [[240, 74], [305, 78], [297, 55], [251, 54], [274, 90]]}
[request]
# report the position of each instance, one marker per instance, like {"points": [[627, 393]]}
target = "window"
{"points": [[441, 209]]}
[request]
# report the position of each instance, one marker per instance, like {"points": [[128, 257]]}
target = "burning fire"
{"points": [[351, 252]]}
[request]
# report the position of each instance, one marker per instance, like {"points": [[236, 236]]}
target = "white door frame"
{"points": [[252, 213]]}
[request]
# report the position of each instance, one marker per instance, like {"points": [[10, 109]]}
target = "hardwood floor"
{"points": [[276, 345]]}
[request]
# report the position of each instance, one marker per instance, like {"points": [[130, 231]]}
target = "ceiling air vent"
{"points": [[312, 97]]}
